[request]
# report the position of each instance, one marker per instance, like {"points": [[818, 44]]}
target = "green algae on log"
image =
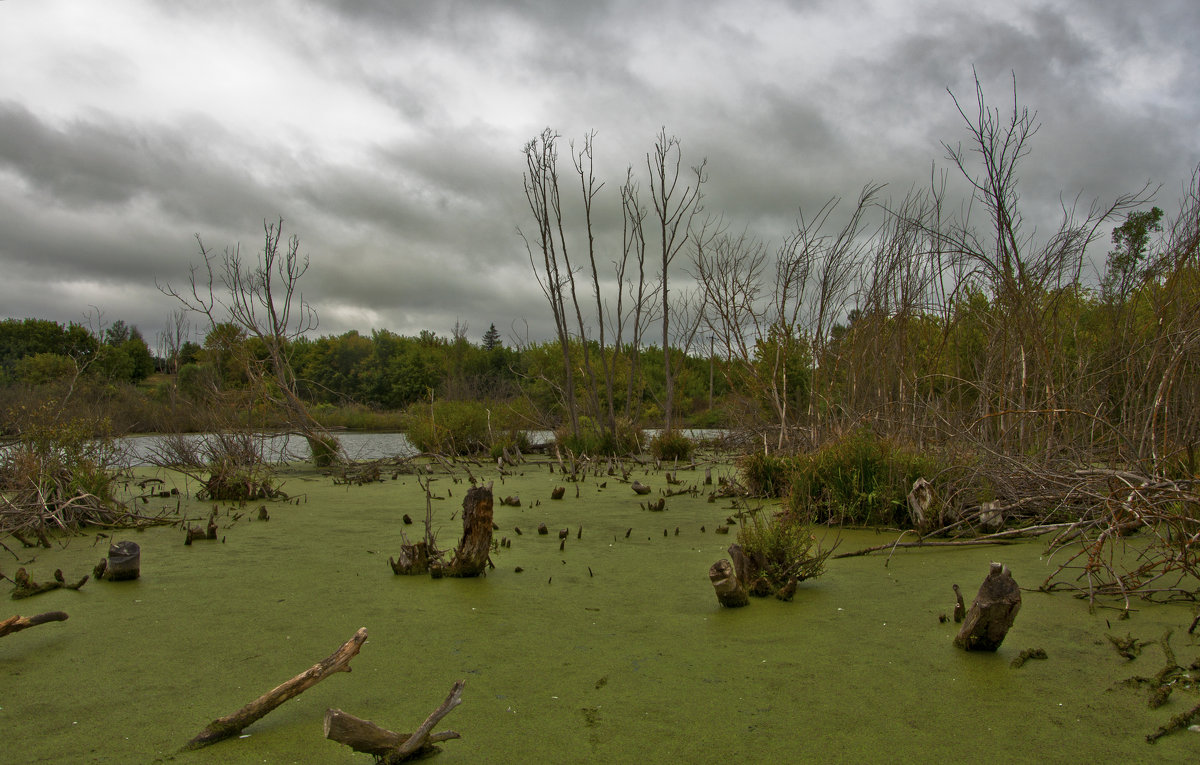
{"points": [[233, 724], [993, 612]]}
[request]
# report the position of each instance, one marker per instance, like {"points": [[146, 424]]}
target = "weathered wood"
{"points": [[992, 613], [27, 588], [730, 591], [471, 557], [920, 502], [233, 724], [640, 488], [367, 737], [421, 734], [124, 562], [18, 623], [557, 492], [413, 559]]}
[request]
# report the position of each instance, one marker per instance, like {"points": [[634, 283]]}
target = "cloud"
{"points": [[388, 135]]}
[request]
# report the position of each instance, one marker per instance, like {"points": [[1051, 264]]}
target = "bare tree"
{"points": [[674, 210], [262, 298], [547, 251]]}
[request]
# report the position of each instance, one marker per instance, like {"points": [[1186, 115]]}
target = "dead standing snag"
{"points": [[231, 725]]}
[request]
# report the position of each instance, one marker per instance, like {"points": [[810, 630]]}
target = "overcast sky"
{"points": [[388, 135]]}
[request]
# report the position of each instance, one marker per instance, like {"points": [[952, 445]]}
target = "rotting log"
{"points": [[27, 588], [729, 589], [992, 613], [233, 724], [18, 623], [640, 488], [367, 737], [471, 557], [386, 746]]}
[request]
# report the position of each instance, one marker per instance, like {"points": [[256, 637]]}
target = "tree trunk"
{"points": [[730, 591], [471, 557], [993, 612]]}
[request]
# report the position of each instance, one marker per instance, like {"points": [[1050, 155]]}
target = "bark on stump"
{"points": [[730, 592], [124, 562], [993, 612], [471, 557], [413, 559]]}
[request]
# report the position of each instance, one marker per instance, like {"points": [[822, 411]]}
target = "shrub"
{"points": [[594, 439], [671, 445], [860, 478], [767, 475], [779, 548], [448, 427]]}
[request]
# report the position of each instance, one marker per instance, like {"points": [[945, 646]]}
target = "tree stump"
{"points": [[730, 591], [124, 563], [471, 557], [640, 488], [920, 502], [413, 559], [557, 492], [993, 612]]}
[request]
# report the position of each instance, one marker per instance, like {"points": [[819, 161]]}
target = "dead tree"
{"points": [[263, 301], [17, 623], [386, 746], [233, 724]]}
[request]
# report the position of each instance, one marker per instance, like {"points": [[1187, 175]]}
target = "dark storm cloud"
{"points": [[389, 135]]}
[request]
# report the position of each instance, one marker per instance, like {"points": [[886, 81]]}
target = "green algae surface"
{"points": [[613, 649]]}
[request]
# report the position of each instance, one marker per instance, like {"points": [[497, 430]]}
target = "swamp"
{"points": [[605, 645]]}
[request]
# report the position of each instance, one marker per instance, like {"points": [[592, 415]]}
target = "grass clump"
{"points": [[448, 427], [593, 439], [860, 478], [780, 550], [671, 445]]}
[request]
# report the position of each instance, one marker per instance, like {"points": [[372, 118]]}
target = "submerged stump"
{"points": [[124, 563], [471, 557], [993, 612], [729, 589]]}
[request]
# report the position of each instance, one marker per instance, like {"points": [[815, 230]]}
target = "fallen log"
{"points": [[18, 623], [386, 746], [233, 724], [27, 588], [992, 613]]}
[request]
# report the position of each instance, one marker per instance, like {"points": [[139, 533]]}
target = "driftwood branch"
{"points": [[18, 623], [231, 725], [389, 747]]}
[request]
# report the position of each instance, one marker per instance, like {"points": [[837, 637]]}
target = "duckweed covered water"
{"points": [[613, 650]]}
